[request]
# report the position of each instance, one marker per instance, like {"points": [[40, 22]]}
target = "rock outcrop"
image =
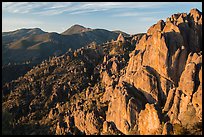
{"points": [[124, 107], [149, 122], [120, 38], [166, 64], [143, 84]]}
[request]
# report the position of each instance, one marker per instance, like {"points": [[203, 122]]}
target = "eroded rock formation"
{"points": [[148, 84]]}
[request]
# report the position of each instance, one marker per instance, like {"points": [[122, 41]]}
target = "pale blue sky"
{"points": [[130, 17]]}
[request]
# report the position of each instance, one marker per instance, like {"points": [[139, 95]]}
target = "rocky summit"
{"points": [[143, 84]]}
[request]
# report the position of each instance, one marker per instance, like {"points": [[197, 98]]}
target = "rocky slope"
{"points": [[144, 84], [32, 46]]}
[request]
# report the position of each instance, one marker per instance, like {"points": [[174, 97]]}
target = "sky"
{"points": [[130, 17]]}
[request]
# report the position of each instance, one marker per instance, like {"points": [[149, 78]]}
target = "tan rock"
{"points": [[196, 14], [106, 79], [134, 63], [120, 38], [105, 126], [124, 108], [187, 79], [197, 102], [108, 94], [187, 113], [142, 43], [195, 33], [105, 58], [181, 63], [109, 128], [165, 49], [169, 27], [87, 122], [197, 97], [156, 27], [89, 92], [200, 76], [156, 53], [60, 129], [174, 110], [114, 68], [169, 100], [182, 19], [79, 120], [92, 124], [149, 123], [67, 121], [51, 114], [145, 82], [166, 85]]}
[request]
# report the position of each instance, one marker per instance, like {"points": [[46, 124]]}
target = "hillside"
{"points": [[35, 45], [32, 46], [146, 84], [8, 37]]}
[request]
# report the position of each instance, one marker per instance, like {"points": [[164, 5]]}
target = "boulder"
{"points": [[149, 122], [187, 113], [106, 79], [124, 107], [187, 80], [87, 122]]}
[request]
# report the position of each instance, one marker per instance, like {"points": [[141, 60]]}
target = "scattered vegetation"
{"points": [[7, 121]]}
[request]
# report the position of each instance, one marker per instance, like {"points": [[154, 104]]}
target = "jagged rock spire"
{"points": [[120, 38]]}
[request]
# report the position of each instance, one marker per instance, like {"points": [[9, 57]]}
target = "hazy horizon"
{"points": [[129, 17]]}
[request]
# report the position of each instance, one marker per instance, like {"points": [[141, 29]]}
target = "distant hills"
{"points": [[35, 45], [8, 37], [24, 48]]}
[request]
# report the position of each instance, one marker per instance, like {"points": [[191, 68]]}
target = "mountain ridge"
{"points": [[27, 39]]}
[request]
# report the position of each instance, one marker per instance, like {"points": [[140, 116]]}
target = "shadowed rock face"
{"points": [[147, 84]]}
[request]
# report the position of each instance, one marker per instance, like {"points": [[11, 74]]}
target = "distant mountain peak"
{"points": [[38, 29], [77, 26], [76, 29]]}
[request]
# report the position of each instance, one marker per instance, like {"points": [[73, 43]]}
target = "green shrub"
{"points": [[6, 122]]}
